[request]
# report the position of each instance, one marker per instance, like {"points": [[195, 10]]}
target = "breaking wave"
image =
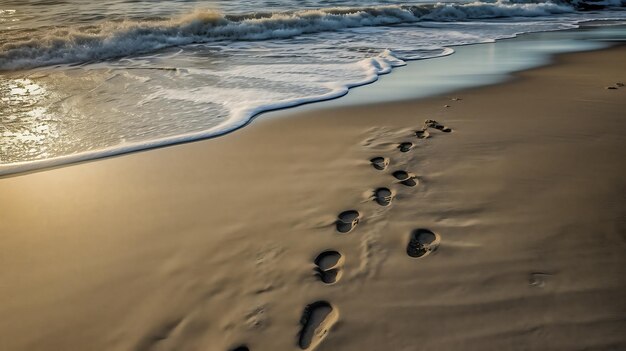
{"points": [[108, 40]]}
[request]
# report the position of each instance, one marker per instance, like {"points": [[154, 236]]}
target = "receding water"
{"points": [[478, 65], [81, 80]]}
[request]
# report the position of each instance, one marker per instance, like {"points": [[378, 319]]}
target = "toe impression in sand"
{"points": [[329, 266], [316, 321], [241, 348], [405, 178], [383, 196], [422, 242], [380, 163], [347, 220]]}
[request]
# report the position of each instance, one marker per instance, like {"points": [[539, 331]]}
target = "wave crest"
{"points": [[116, 39]]}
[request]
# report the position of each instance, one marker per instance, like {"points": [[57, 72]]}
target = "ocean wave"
{"points": [[106, 40]]}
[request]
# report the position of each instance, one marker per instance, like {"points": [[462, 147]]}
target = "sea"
{"points": [[83, 79]]}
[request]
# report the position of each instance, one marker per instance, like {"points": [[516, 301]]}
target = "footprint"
{"points": [[538, 279], [422, 242], [405, 147], [347, 220], [405, 178], [241, 348], [383, 196], [422, 133], [329, 266], [316, 321], [431, 123], [380, 163]]}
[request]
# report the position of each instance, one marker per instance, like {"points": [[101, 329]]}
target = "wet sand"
{"points": [[506, 233]]}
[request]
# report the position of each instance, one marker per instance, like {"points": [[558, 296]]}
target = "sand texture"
{"points": [[498, 225]]}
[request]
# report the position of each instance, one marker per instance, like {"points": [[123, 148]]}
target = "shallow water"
{"points": [[475, 65], [80, 81]]}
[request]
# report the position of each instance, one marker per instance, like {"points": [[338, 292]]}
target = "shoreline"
{"points": [[213, 244], [26, 167]]}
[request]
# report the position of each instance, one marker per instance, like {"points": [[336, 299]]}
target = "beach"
{"points": [[505, 232]]}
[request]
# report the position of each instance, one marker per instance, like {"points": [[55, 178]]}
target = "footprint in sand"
{"points": [[347, 220], [241, 348], [405, 178], [380, 163], [316, 321], [422, 242], [431, 123], [405, 147], [383, 196], [329, 266], [538, 279], [422, 133]]}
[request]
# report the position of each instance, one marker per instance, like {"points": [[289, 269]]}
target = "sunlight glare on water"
{"points": [[27, 124]]}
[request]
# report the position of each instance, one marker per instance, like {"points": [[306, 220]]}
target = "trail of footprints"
{"points": [[319, 317]]}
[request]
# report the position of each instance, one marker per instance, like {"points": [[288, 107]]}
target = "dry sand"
{"points": [[215, 244]]}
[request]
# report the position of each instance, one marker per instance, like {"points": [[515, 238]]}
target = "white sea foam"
{"points": [[220, 75], [115, 39]]}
